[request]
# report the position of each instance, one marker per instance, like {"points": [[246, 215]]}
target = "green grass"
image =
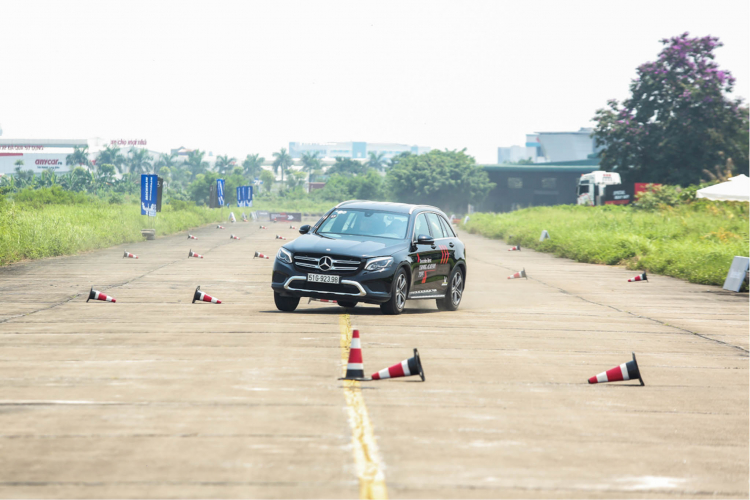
{"points": [[33, 232], [695, 242]]}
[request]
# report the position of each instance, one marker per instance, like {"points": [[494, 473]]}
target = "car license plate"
{"points": [[322, 278]]}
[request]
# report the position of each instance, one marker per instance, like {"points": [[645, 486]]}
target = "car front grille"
{"points": [[339, 264]]}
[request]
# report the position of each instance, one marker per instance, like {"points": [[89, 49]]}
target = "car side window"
{"points": [[437, 229], [420, 226], [447, 229]]}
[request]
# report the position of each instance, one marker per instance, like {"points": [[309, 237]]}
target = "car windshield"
{"points": [[374, 223]]}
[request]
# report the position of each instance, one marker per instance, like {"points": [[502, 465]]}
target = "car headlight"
{"points": [[284, 255], [378, 264]]}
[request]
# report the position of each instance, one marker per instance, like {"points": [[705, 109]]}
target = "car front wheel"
{"points": [[455, 291], [286, 304], [399, 291]]}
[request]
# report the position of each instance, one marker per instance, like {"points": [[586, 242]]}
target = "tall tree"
{"points": [[310, 162], [224, 164], [79, 156], [139, 161], [376, 161], [195, 163], [679, 119], [347, 167], [111, 155], [252, 166], [165, 160], [281, 162]]}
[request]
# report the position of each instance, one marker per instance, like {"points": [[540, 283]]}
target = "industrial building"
{"points": [[353, 149], [546, 147]]}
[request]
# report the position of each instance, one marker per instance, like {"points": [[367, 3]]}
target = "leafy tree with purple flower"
{"points": [[679, 119]]}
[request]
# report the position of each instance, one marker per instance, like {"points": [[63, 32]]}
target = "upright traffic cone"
{"points": [[220, 227], [640, 277], [626, 371], [129, 255], [260, 256], [204, 297], [521, 274], [191, 237], [279, 237], [233, 237], [355, 370], [322, 300], [196, 255], [406, 368], [517, 247], [96, 295], [263, 227], [292, 227]]}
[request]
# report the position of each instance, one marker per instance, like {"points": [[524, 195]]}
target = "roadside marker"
{"points": [[220, 227], [544, 236], [640, 277], [204, 297], [279, 237], [355, 369], [260, 256], [231, 217], [97, 295], [191, 237], [517, 247], [520, 274], [263, 227], [406, 368], [292, 227], [626, 371], [129, 255], [196, 255], [233, 237]]}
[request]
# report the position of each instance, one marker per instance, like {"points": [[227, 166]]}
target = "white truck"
{"points": [[592, 187]]}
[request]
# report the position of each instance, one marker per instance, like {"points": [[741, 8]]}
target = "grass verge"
{"points": [[695, 242]]}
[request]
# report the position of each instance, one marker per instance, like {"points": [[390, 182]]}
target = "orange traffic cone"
{"points": [[129, 255], [355, 370], [220, 227], [279, 237], [96, 295], [233, 237], [517, 247], [191, 237], [196, 255], [406, 368], [260, 256], [263, 227], [626, 371], [204, 297], [521, 274], [292, 227], [640, 277]]}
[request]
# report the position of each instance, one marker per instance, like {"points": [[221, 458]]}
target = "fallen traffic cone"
{"points": [[260, 256], [517, 247], [322, 300], [355, 369], [96, 295], [233, 237], [220, 227], [292, 227], [204, 297], [196, 255], [129, 255], [406, 368], [640, 277], [278, 237], [626, 371], [263, 227], [191, 237], [521, 274]]}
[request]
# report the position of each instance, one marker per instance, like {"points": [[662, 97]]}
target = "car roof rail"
{"points": [[345, 202], [411, 210]]}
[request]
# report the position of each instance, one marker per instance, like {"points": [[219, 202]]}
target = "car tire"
{"points": [[399, 293], [455, 291], [347, 303], [286, 304]]}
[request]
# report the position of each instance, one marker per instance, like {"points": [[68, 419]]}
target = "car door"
{"points": [[451, 245], [425, 261], [442, 242]]}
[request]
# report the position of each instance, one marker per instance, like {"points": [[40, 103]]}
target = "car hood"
{"points": [[353, 246]]}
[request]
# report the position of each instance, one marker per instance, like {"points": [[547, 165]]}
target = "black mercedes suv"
{"points": [[373, 252]]}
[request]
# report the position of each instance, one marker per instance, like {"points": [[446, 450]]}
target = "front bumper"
{"points": [[363, 286]]}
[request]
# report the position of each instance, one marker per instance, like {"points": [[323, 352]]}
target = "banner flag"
{"points": [[220, 192], [244, 196], [148, 194]]}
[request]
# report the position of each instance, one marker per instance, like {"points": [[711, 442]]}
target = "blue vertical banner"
{"points": [[220, 192], [148, 194], [244, 196]]}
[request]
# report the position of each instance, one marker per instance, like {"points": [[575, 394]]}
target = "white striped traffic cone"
{"points": [[355, 369], [260, 256], [263, 227], [640, 277], [220, 227], [233, 237], [129, 255], [520, 274], [322, 300], [204, 297], [196, 255], [517, 247], [279, 237], [97, 295], [626, 371], [406, 368], [292, 227], [191, 237]]}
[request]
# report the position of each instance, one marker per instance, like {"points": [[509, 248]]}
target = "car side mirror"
{"points": [[424, 239], [304, 229]]}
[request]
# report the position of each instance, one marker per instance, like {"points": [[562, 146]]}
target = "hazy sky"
{"points": [[247, 77]]}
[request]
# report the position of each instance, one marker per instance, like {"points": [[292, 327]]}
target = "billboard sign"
{"points": [[244, 196], [285, 216], [148, 194]]}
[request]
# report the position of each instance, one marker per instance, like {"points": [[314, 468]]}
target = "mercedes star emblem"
{"points": [[325, 263]]}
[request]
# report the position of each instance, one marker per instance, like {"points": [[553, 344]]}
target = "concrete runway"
{"points": [[156, 397]]}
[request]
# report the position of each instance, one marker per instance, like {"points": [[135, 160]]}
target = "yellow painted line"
{"points": [[366, 454]]}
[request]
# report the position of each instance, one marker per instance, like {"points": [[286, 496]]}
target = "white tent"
{"points": [[735, 189]]}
